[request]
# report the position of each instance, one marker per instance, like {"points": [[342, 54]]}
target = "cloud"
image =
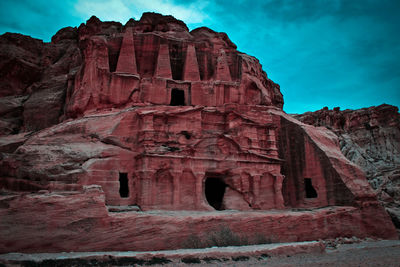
{"points": [[189, 13], [123, 10], [103, 9]]}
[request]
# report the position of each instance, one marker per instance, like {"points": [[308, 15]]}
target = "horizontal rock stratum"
{"points": [[146, 136]]}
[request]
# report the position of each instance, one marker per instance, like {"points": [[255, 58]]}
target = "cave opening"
{"points": [[177, 97], [309, 188], [214, 191], [123, 185]]}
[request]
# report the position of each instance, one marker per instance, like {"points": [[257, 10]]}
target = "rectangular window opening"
{"points": [[177, 97], [123, 185]]}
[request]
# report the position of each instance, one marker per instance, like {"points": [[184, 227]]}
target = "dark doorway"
{"points": [[215, 190], [310, 190], [177, 97], [123, 184]]}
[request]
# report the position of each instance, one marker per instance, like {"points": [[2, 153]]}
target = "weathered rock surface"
{"points": [[80, 222], [34, 80], [369, 137], [149, 116]]}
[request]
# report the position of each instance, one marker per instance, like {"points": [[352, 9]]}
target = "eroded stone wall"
{"points": [[149, 116]]}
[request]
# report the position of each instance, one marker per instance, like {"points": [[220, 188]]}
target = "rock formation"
{"points": [[109, 123], [369, 137]]}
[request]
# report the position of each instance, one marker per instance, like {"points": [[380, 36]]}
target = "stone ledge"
{"points": [[278, 249]]}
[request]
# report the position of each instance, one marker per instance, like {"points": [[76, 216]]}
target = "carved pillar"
{"points": [[256, 191], [145, 192], [176, 187], [279, 204], [199, 190]]}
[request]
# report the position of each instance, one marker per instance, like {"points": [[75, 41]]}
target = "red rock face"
{"points": [[369, 138], [140, 66], [160, 118]]}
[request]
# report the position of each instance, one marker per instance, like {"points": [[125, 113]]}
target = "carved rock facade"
{"points": [[150, 116]]}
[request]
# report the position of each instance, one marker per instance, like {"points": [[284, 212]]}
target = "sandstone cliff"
{"points": [[369, 137], [110, 131], [105, 64]]}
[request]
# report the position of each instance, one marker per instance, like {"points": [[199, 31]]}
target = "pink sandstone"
{"points": [[178, 125], [369, 138]]}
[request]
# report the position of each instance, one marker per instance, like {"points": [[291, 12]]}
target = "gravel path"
{"points": [[366, 253], [346, 255]]}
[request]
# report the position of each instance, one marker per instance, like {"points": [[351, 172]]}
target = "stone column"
{"points": [[176, 193], [256, 191], [199, 190], [279, 203]]}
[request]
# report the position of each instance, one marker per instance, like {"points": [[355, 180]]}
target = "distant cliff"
{"points": [[369, 137]]}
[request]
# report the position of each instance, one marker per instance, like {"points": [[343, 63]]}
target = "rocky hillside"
{"points": [[369, 137], [91, 67], [136, 137]]}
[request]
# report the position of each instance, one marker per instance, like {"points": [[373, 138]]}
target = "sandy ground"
{"points": [[345, 255], [366, 253]]}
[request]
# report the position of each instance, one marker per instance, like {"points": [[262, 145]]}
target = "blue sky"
{"points": [[335, 53]]}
